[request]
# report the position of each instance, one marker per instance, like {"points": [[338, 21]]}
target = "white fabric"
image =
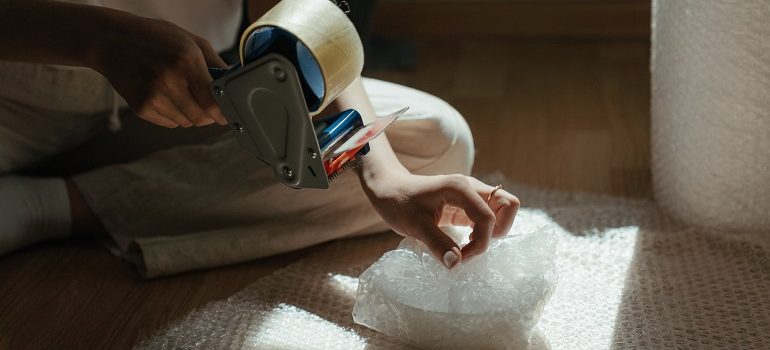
{"points": [[630, 277], [213, 203], [711, 111], [32, 210], [210, 203]]}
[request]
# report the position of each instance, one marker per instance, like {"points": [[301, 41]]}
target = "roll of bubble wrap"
{"points": [[711, 111]]}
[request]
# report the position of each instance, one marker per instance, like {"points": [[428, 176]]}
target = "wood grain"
{"points": [[567, 114], [566, 18], [75, 295]]}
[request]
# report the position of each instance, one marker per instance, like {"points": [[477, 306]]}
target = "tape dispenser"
{"points": [[295, 60]]}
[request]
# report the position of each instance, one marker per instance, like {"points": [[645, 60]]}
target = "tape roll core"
{"points": [[269, 39]]}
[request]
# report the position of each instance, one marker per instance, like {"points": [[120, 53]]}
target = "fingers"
{"points": [[200, 80], [461, 194], [163, 112], [193, 112], [454, 216], [188, 89], [167, 81], [200, 91], [442, 247], [503, 204], [154, 117]]}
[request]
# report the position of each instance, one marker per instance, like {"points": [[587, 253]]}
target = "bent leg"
{"points": [[30, 134], [44, 111], [432, 138], [205, 205]]}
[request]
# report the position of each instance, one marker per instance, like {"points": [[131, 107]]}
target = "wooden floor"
{"points": [[571, 115]]}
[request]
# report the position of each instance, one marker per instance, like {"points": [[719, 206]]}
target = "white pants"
{"points": [[202, 204]]}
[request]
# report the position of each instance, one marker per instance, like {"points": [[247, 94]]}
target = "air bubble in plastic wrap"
{"points": [[492, 301]]}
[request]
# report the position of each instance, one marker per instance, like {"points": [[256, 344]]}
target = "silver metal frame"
{"points": [[264, 105]]}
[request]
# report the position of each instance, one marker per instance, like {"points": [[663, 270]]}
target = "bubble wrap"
{"points": [[492, 301], [711, 111], [629, 278]]}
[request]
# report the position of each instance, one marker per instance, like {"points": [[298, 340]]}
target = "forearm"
{"points": [[381, 162], [52, 32], [416, 206]]}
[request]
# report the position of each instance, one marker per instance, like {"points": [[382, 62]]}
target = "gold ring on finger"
{"points": [[492, 194]]}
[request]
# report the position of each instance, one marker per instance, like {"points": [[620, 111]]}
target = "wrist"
{"points": [[378, 178]]}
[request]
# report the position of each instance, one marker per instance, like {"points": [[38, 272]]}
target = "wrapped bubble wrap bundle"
{"points": [[711, 111], [492, 301]]}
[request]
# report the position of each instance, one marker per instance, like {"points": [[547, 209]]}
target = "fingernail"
{"points": [[451, 257], [203, 121], [221, 118]]}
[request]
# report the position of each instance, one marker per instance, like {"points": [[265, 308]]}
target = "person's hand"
{"points": [[161, 71], [417, 206]]}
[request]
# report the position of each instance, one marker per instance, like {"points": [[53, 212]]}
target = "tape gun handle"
{"points": [[218, 72]]}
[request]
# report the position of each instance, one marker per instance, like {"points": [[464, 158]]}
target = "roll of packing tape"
{"points": [[318, 38]]}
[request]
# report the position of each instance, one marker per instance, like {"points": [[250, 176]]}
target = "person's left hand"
{"points": [[161, 70], [416, 206]]}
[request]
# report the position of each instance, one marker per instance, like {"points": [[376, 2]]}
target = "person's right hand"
{"points": [[417, 206], [161, 71]]}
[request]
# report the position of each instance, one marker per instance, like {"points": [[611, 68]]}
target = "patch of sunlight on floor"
{"points": [[345, 285], [592, 274], [289, 327]]}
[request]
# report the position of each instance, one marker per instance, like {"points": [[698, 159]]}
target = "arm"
{"points": [[417, 205], [26, 28], [159, 68]]}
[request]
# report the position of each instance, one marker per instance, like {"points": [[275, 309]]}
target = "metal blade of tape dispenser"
{"points": [[367, 133], [347, 160], [346, 139]]}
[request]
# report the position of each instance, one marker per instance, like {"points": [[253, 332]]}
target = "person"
{"points": [[67, 68]]}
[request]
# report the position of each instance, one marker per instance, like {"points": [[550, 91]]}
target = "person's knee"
{"points": [[443, 138], [462, 152]]}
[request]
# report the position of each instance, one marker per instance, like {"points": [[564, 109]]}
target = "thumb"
{"points": [[201, 78], [443, 248]]}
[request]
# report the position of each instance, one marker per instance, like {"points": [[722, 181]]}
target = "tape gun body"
{"points": [[295, 60], [264, 104]]}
